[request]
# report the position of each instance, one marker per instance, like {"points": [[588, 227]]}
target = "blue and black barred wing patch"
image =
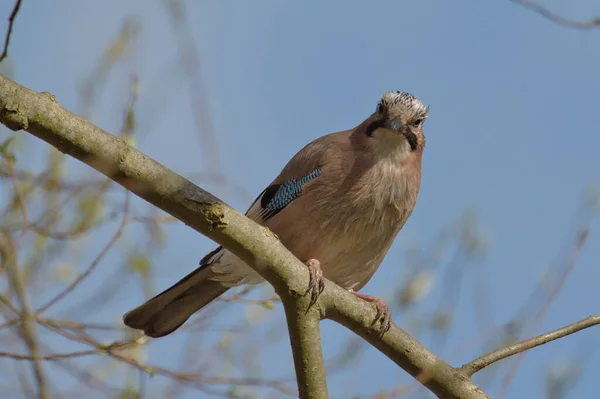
{"points": [[277, 196]]}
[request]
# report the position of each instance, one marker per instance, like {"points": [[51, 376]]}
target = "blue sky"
{"points": [[512, 137]]}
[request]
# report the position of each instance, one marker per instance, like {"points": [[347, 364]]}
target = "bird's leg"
{"points": [[316, 284], [383, 312]]}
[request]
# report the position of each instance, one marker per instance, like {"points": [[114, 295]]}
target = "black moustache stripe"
{"points": [[412, 139], [376, 124]]}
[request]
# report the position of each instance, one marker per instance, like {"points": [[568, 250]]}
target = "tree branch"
{"points": [[27, 327], [305, 338], [11, 21], [558, 19], [492, 357], [399, 346], [39, 114], [51, 357]]}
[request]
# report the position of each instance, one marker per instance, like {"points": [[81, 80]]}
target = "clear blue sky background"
{"points": [[512, 135]]}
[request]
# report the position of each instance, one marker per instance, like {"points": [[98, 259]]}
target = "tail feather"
{"points": [[167, 311]]}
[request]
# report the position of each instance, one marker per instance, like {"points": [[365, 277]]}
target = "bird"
{"points": [[337, 205]]}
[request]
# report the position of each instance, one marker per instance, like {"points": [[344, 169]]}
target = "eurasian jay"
{"points": [[337, 205]]}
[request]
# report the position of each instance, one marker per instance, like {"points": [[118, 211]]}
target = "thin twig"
{"points": [[11, 21], [95, 262], [570, 266], [492, 357], [558, 19], [87, 378], [18, 284], [72, 325], [197, 380], [190, 61], [9, 305], [28, 327], [21, 200], [54, 356]]}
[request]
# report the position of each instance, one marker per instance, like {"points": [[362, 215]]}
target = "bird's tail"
{"points": [[167, 311]]}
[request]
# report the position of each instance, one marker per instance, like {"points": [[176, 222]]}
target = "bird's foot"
{"points": [[384, 315], [316, 284]]}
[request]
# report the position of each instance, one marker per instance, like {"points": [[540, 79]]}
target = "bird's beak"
{"points": [[394, 125]]}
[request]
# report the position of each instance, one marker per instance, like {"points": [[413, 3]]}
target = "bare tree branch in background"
{"points": [[190, 61], [557, 18], [553, 295], [486, 360], [11, 21], [28, 328]]}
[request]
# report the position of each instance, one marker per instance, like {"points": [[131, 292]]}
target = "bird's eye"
{"points": [[380, 108], [418, 122]]}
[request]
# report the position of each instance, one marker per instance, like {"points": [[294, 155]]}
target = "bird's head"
{"points": [[397, 123]]}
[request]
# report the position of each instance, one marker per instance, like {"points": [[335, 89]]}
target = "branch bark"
{"points": [[305, 337], [42, 116]]}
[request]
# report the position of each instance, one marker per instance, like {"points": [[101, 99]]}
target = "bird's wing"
{"points": [[304, 170], [310, 167]]}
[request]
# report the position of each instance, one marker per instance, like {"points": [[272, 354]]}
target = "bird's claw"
{"points": [[316, 283], [384, 315]]}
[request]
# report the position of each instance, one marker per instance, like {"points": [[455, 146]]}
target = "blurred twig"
{"points": [[116, 50], [115, 350], [570, 265], [190, 60], [557, 18], [96, 261], [27, 328], [54, 356], [11, 21], [18, 284]]}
